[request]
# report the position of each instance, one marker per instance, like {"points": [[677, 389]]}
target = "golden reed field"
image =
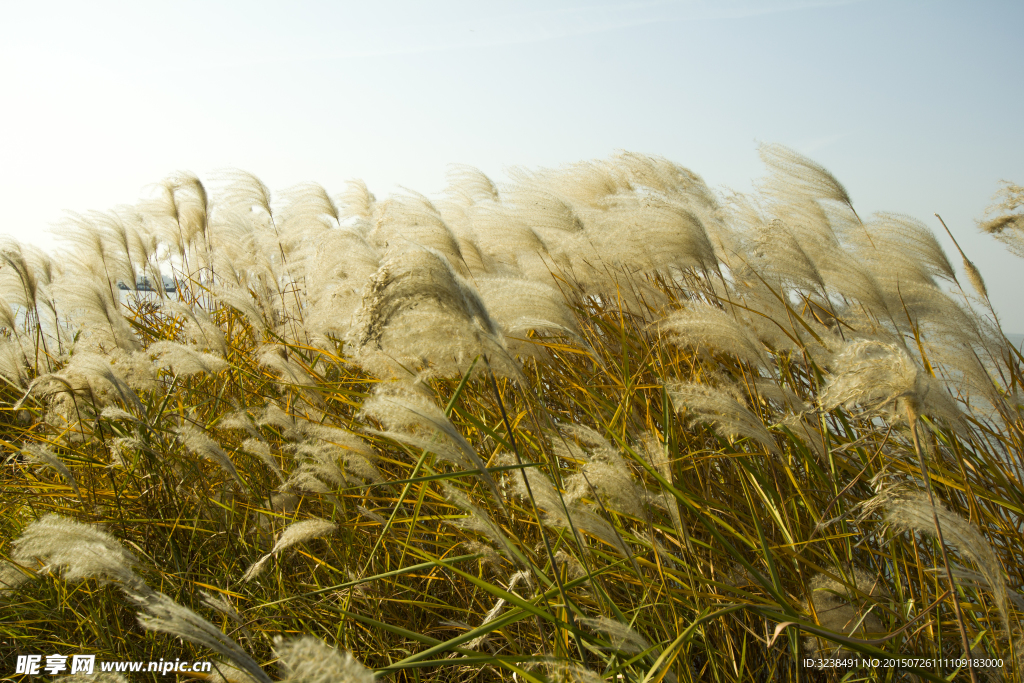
{"points": [[600, 423]]}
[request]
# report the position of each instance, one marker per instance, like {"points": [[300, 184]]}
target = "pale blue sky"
{"points": [[915, 106]]}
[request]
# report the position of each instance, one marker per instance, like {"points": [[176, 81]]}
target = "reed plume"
{"points": [[910, 510], [675, 399], [729, 417], [296, 533], [417, 313], [839, 607], [76, 551], [308, 660], [1007, 227], [161, 613], [879, 377]]}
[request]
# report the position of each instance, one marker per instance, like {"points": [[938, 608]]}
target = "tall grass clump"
{"points": [[600, 423]]}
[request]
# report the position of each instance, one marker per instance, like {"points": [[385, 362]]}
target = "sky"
{"points": [[914, 105]]}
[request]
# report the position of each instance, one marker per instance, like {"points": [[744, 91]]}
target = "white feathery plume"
{"points": [[161, 613], [95, 312], [611, 482], [200, 328], [596, 444], [186, 203], [441, 447], [479, 521], [273, 415], [492, 614], [86, 372], [243, 193], [18, 282], [911, 510], [308, 660], [704, 325], [586, 183], [881, 376], [308, 211], [813, 224], [76, 551], [1009, 230], [795, 174], [242, 301], [357, 201], [716, 407], [10, 577], [546, 213], [238, 419], [361, 467], [262, 451], [781, 254], [115, 413], [13, 363], [296, 533], [895, 243], [470, 184], [321, 461], [925, 304], [651, 233], [184, 360], [621, 636], [401, 407], [44, 456], [566, 672], [340, 267], [771, 390], [634, 170], [8, 318], [844, 272], [478, 263], [238, 251], [413, 219], [604, 474], [834, 604], [418, 314], [136, 369], [1007, 227], [519, 305], [959, 354], [357, 453], [275, 357], [335, 435], [560, 513], [773, 324], [501, 235], [196, 441]]}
